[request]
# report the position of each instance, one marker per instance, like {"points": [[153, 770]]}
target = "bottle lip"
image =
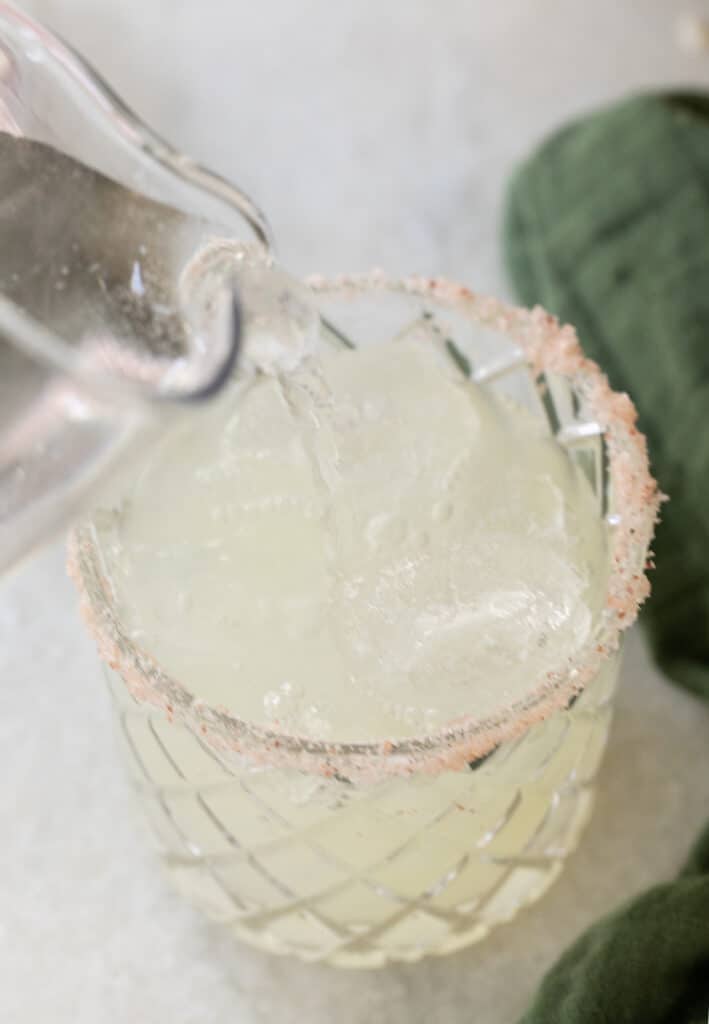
{"points": [[547, 347], [93, 367]]}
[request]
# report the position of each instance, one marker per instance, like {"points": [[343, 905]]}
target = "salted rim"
{"points": [[547, 346]]}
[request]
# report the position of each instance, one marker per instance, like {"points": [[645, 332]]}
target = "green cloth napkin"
{"points": [[607, 226], [644, 964]]}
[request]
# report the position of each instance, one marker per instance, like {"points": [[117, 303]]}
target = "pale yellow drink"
{"points": [[367, 546]]}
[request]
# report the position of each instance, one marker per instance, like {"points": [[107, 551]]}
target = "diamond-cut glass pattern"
{"points": [[357, 875]]}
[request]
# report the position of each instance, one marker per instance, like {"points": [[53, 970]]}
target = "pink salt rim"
{"points": [[548, 346]]}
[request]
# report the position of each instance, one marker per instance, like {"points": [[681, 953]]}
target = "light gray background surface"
{"points": [[373, 133]]}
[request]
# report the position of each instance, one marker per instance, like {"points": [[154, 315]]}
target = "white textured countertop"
{"points": [[372, 133]]}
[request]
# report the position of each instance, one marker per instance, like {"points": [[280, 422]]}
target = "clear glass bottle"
{"points": [[89, 280]]}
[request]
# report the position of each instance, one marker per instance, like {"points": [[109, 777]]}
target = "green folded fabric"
{"points": [[647, 963], [607, 226]]}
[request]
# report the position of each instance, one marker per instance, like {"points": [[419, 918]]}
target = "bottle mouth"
{"points": [[546, 352], [107, 370]]}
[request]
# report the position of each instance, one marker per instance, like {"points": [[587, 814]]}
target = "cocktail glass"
{"points": [[362, 853]]}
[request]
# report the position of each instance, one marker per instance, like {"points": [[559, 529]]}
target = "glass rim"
{"points": [[547, 346]]}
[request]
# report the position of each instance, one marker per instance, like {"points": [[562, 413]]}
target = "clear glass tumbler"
{"points": [[362, 853]]}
